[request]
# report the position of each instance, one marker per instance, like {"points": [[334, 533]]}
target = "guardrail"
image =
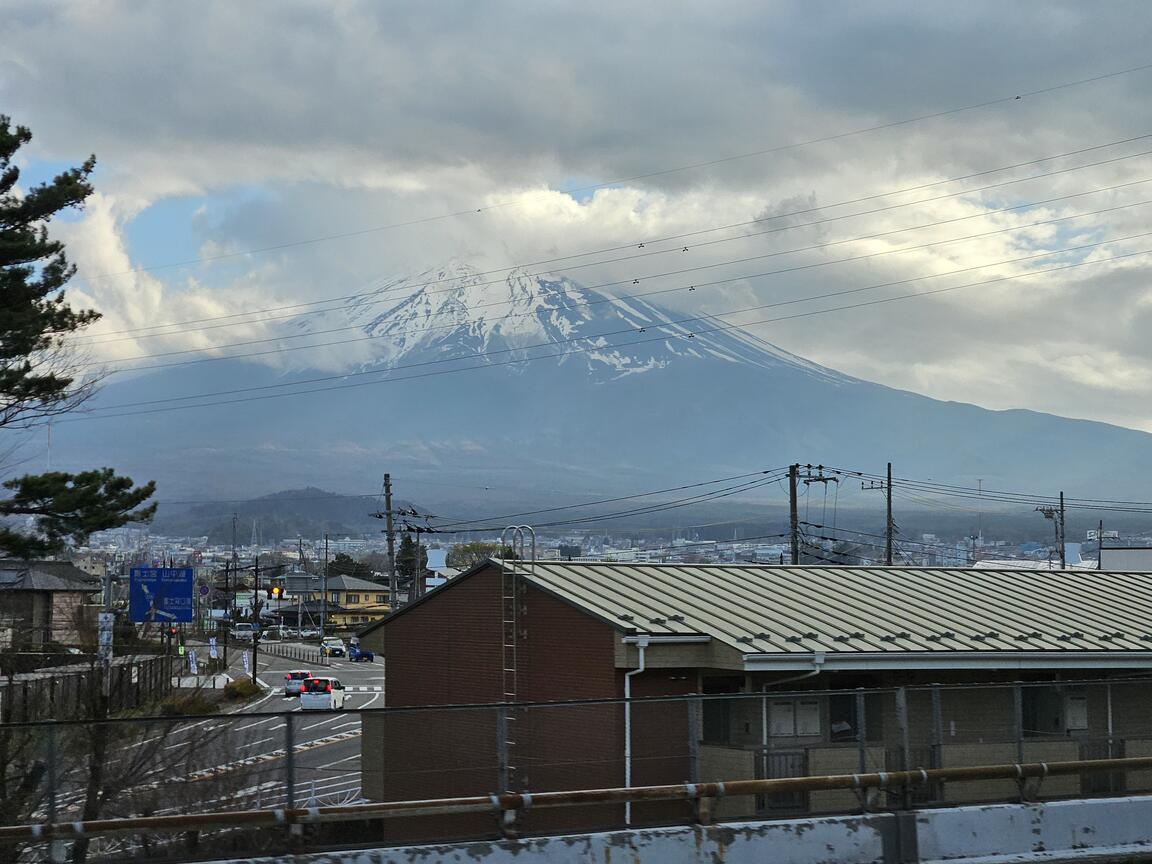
{"points": [[507, 806]]}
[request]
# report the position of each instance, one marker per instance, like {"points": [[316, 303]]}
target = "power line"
{"points": [[345, 299], [639, 511], [92, 414], [688, 320], [634, 280], [526, 513], [780, 148]]}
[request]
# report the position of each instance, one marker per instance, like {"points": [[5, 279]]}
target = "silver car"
{"points": [[294, 681]]}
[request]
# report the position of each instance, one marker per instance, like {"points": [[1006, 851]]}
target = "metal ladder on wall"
{"points": [[511, 614]]}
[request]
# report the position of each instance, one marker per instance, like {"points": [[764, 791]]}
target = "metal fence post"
{"points": [[937, 737], [861, 732], [502, 770], [290, 769], [693, 740], [905, 745], [1018, 707]]}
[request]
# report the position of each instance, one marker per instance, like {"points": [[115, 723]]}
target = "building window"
{"points": [[353, 598], [381, 598], [334, 597], [1076, 711], [716, 722], [842, 717], [794, 718]]}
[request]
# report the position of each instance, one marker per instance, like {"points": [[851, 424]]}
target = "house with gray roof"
{"points": [[44, 602]]}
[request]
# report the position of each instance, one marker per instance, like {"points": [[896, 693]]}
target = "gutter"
{"points": [[944, 660]]}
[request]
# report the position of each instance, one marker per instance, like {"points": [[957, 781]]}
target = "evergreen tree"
{"points": [[406, 557], [40, 375]]}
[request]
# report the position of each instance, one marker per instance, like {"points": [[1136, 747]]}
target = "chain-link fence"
{"points": [[126, 766]]}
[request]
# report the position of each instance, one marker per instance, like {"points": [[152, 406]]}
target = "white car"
{"points": [[242, 632], [321, 694]]}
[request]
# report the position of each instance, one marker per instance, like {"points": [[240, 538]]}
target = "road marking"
{"points": [[257, 723], [338, 761], [271, 756], [321, 723], [344, 725], [178, 744], [370, 701]]}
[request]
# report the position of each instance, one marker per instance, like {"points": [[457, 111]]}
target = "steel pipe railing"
{"points": [[698, 792]]}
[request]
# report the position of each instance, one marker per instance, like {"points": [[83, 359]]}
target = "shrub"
{"points": [[190, 704], [242, 688]]}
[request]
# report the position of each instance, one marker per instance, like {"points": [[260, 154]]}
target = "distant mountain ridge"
{"points": [[307, 512], [447, 393]]}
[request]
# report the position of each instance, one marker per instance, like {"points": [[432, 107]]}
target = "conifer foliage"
{"points": [[40, 374]]}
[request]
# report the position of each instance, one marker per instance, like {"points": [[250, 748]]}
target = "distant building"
{"points": [[1126, 558], [355, 602], [44, 602]]}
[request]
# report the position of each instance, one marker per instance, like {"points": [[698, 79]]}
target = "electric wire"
{"points": [[100, 338], [406, 331], [650, 174], [657, 326]]}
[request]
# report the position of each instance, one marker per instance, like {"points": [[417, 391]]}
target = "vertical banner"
{"points": [[247, 664], [192, 662], [212, 647], [107, 622]]}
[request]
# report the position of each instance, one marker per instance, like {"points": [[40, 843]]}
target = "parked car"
{"points": [[294, 681], [361, 655], [332, 646], [307, 633], [321, 694]]}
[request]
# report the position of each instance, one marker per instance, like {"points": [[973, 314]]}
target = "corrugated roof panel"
{"points": [[771, 609]]}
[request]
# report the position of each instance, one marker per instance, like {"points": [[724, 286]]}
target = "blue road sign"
{"points": [[160, 594]]}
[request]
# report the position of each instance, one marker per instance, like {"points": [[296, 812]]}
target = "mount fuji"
{"points": [[537, 383]]}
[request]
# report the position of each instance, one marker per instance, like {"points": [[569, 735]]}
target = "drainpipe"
{"points": [[641, 644]]}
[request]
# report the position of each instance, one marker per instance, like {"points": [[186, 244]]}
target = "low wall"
{"points": [[1053, 832]]}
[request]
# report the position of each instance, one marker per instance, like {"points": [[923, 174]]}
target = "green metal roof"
{"points": [[838, 610]]}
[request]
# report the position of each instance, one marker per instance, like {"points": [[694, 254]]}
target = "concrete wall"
{"points": [[1104, 829]]}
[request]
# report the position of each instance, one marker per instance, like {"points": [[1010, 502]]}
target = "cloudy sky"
{"points": [[224, 127]]}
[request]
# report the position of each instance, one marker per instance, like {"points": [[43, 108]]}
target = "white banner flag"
{"points": [[247, 664], [192, 663], [212, 647]]}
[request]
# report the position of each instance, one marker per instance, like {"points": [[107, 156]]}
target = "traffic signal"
{"points": [[268, 592], [275, 592], [172, 630]]}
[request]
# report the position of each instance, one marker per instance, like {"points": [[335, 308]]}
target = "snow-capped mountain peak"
{"points": [[457, 313]]}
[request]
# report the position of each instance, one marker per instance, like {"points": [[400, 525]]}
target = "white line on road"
{"points": [[322, 723], [345, 725], [257, 723], [370, 701]]}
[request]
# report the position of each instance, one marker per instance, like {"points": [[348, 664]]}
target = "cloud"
{"points": [[343, 118]]}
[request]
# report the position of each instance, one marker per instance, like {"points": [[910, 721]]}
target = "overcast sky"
{"points": [[222, 127]]}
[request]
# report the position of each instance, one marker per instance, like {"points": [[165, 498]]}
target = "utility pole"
{"points": [[794, 513], [1100, 546], [889, 523], [256, 616], [1056, 514], [324, 595], [228, 609], [390, 534], [1063, 562]]}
